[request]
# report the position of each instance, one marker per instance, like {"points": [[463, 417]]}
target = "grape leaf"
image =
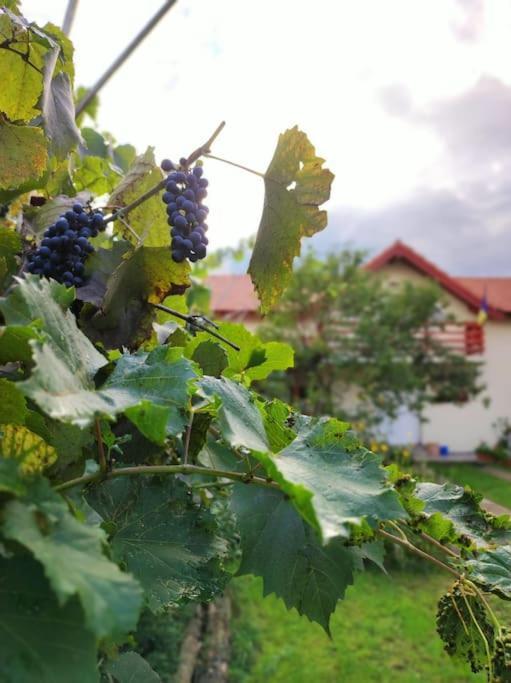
{"points": [[151, 389], [95, 174], [10, 246], [492, 570], [145, 275], [59, 114], [45, 641], [163, 537], [295, 186], [280, 547], [276, 418], [455, 516], [13, 407], [155, 386], [463, 625], [31, 453], [14, 343], [22, 80], [332, 480], [73, 560], [24, 155], [100, 265], [239, 419], [149, 220], [124, 156], [254, 361], [211, 357], [40, 299], [130, 667]]}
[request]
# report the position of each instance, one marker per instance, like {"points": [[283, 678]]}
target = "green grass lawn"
{"points": [[490, 486], [384, 631]]}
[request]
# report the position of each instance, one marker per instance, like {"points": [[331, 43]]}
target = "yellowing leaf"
{"points": [[295, 186], [21, 444], [149, 220], [21, 83], [24, 154]]}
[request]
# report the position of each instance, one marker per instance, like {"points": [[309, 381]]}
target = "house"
{"points": [[459, 427]]}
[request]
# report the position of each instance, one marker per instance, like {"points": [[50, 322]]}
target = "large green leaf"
{"points": [[277, 419], [73, 560], [13, 407], [130, 667], [211, 358], [151, 389], [295, 186], [144, 276], [280, 547], [155, 386], [41, 640], [149, 220], [239, 418], [333, 481], [492, 570], [10, 247], [47, 301], [14, 343], [24, 155], [94, 174], [163, 537], [254, 361], [455, 516]]}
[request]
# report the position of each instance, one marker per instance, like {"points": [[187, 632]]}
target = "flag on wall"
{"points": [[482, 316]]}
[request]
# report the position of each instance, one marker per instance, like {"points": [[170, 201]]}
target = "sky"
{"points": [[408, 101]]}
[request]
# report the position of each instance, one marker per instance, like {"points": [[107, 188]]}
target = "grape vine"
{"points": [[139, 469]]}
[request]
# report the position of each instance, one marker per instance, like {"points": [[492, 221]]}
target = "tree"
{"points": [[354, 336], [133, 449]]}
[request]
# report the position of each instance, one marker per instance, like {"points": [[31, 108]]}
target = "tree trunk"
{"points": [[190, 648], [215, 655]]}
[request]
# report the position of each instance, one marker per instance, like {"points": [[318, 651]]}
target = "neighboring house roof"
{"points": [[232, 294], [497, 290], [236, 294], [399, 251]]}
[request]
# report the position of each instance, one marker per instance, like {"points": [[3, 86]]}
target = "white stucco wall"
{"points": [[462, 428]]}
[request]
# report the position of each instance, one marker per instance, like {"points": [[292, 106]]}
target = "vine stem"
{"points": [[440, 546], [192, 320], [101, 450], [421, 553], [150, 470], [92, 92], [232, 163], [187, 438], [196, 154]]}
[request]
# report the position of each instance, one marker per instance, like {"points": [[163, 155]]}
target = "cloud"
{"points": [[437, 223], [468, 23]]}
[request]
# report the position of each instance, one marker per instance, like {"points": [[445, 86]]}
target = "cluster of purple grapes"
{"points": [[65, 246], [184, 193]]}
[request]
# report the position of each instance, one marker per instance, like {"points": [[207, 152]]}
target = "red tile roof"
{"points": [[232, 294], [498, 290], [399, 251], [236, 294]]}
